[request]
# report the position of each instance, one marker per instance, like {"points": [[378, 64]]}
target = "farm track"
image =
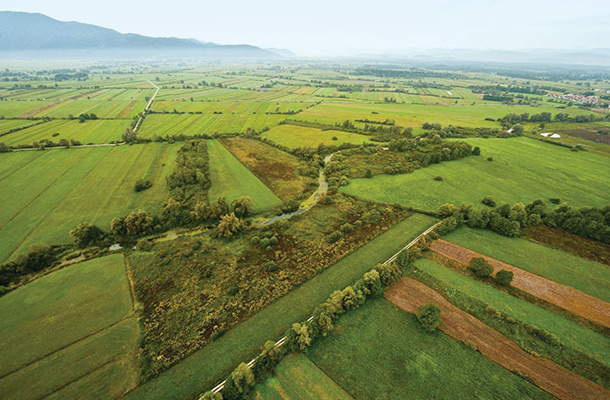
{"points": [[565, 297], [409, 295]]}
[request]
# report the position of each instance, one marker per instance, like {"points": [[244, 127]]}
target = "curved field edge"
{"points": [[204, 368], [522, 170], [71, 325], [231, 179]]}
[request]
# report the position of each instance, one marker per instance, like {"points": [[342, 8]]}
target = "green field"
{"points": [[194, 124], [98, 131], [569, 332], [58, 189], [70, 332], [103, 109], [204, 368], [587, 276], [522, 170], [381, 352], [414, 115], [10, 124], [294, 136], [231, 179], [296, 377]]}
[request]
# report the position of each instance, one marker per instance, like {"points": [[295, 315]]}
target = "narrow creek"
{"points": [[307, 204]]}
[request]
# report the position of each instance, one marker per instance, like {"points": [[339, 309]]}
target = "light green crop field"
{"points": [[414, 115], [569, 332], [61, 330], [9, 124], [522, 170], [296, 377], [381, 352], [231, 179], [587, 276], [23, 109], [294, 136], [204, 368], [58, 189], [103, 109], [231, 107], [193, 124], [97, 131]]}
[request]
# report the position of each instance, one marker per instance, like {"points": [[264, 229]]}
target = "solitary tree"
{"points": [[429, 316], [229, 225], [480, 267], [504, 277]]}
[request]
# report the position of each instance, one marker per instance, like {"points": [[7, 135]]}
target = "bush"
{"points": [[555, 200], [347, 228], [490, 158], [438, 178], [504, 277], [142, 184], [333, 237], [143, 245], [489, 201], [429, 316], [271, 266], [480, 267]]}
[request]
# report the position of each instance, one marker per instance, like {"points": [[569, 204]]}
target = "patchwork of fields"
{"points": [[70, 334], [75, 332], [58, 189], [522, 170]]}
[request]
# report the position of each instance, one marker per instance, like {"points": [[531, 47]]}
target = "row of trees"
{"points": [[240, 383], [507, 220], [39, 258], [592, 223], [512, 118]]}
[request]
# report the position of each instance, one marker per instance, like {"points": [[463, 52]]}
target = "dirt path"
{"points": [[565, 297], [410, 294]]}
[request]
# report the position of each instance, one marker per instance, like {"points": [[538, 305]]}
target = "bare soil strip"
{"points": [[410, 294], [565, 297]]}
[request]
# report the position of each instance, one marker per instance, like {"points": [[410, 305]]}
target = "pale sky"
{"points": [[347, 27]]}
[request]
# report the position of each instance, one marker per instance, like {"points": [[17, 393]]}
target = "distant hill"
{"points": [[20, 31]]}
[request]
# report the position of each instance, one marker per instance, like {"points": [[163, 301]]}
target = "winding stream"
{"points": [[307, 204]]}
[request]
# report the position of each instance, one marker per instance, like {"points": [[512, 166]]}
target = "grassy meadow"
{"points": [[98, 131], [401, 361], [297, 377], [61, 188], [294, 136], [587, 276], [231, 179], [62, 330], [522, 170]]}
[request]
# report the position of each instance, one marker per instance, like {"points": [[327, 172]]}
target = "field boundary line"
{"points": [[124, 318], [147, 108], [282, 340]]}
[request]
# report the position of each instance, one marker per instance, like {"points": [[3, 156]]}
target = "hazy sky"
{"points": [[324, 27]]}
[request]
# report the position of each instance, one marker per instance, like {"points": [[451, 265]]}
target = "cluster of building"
{"points": [[575, 98]]}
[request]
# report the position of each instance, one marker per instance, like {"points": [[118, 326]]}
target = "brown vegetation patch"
{"points": [[562, 240], [565, 297], [586, 134], [275, 168], [410, 294]]}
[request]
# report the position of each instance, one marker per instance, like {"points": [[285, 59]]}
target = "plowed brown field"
{"points": [[565, 297], [410, 294]]}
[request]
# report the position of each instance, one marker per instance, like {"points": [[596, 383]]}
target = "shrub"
{"points": [[368, 173], [333, 237], [271, 266], [555, 200], [142, 184], [429, 316], [446, 210], [347, 228], [480, 267], [438, 178], [488, 201], [143, 245], [490, 158], [504, 277], [447, 225]]}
